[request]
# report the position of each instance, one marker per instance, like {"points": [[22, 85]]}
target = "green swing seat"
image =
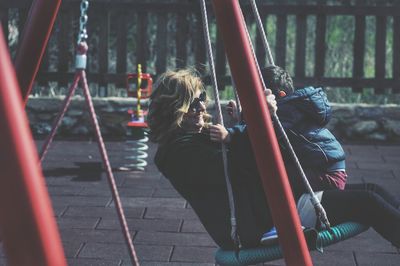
{"points": [[315, 240]]}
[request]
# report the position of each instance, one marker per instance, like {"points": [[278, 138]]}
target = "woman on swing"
{"points": [[189, 155]]}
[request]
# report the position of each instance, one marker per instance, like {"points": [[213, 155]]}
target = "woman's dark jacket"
{"points": [[193, 164], [304, 115]]}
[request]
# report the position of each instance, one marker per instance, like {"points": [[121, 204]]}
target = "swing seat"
{"points": [[315, 240]]}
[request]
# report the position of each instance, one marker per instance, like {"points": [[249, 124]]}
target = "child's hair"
{"points": [[277, 79]]}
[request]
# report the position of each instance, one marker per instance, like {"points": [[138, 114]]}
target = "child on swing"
{"points": [[304, 113]]}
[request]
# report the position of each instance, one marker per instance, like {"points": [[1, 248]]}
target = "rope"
{"points": [[315, 201], [234, 233], [261, 29]]}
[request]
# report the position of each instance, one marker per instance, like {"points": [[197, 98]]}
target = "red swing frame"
{"points": [[28, 227], [262, 136]]}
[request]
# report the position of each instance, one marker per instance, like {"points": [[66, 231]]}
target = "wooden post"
{"points": [[359, 48]]}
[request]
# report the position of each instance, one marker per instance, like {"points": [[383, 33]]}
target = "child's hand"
{"points": [[219, 133], [271, 101], [232, 110]]}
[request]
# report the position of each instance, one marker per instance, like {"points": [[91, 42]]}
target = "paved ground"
{"points": [[164, 228]]}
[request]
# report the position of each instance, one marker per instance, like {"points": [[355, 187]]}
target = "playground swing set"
{"points": [[31, 221]]}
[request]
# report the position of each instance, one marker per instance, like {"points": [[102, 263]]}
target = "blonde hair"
{"points": [[170, 100]]}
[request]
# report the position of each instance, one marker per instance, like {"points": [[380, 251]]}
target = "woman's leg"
{"points": [[365, 207], [377, 189]]}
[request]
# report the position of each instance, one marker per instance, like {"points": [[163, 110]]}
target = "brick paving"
{"points": [[164, 228]]}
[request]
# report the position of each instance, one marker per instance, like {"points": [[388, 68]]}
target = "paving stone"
{"points": [[169, 213], [193, 254], [333, 258], [375, 157], [352, 164], [193, 226], [110, 251], [146, 181], [391, 150], [82, 201], [152, 202], [60, 181], [360, 149], [122, 191], [377, 165], [178, 239], [392, 159], [71, 249], [152, 225], [94, 262], [377, 259], [369, 241], [159, 263], [81, 223], [396, 173], [64, 190], [166, 193], [105, 212], [354, 179], [59, 209], [280, 262], [136, 191], [95, 236], [370, 173], [327, 258]]}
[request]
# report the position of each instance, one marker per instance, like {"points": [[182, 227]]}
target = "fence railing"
{"points": [[160, 36]]}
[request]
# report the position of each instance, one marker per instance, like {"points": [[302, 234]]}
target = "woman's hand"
{"points": [[271, 101], [219, 133]]}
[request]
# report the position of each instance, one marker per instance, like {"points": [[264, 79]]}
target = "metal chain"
{"points": [[83, 19]]}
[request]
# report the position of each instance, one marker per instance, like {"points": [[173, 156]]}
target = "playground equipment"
{"points": [[138, 86]]}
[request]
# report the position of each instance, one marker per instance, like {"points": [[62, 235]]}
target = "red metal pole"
{"points": [[27, 223], [36, 34], [265, 146]]}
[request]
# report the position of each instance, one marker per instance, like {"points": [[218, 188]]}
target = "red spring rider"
{"points": [[138, 115]]}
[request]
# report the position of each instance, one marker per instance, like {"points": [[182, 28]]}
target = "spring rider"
{"points": [[138, 86]]}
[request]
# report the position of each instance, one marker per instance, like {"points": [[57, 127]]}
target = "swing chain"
{"points": [[82, 37], [82, 47]]}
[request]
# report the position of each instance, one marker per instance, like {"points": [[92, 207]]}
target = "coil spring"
{"points": [[138, 153]]}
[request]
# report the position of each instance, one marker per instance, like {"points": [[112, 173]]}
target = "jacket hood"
{"points": [[312, 101]]}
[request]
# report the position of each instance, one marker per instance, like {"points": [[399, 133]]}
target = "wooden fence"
{"points": [[162, 36]]}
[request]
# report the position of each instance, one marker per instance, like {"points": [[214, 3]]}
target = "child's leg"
{"points": [[365, 207], [377, 189]]}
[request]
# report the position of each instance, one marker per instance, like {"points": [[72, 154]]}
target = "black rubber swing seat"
{"points": [[315, 240]]}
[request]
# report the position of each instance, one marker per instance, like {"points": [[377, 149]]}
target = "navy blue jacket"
{"points": [[304, 115]]}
